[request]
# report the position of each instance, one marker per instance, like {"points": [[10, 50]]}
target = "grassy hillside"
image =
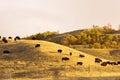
{"points": [[25, 62], [103, 53], [58, 37]]}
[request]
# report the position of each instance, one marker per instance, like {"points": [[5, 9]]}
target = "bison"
{"points": [[118, 62], [37, 45], [17, 38], [97, 60], [70, 53], [79, 63], [9, 37], [59, 51], [112, 63], [4, 40], [108, 62], [65, 59], [6, 51], [104, 64], [81, 56]]}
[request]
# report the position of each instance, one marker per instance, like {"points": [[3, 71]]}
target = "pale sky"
{"points": [[26, 17]]}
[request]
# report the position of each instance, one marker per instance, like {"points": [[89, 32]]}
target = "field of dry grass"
{"points": [[25, 62], [103, 53]]}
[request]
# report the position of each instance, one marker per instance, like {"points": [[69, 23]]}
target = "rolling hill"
{"points": [[110, 54], [25, 62], [57, 37]]}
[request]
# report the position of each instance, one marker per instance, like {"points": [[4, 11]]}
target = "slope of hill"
{"points": [[110, 54], [57, 38], [27, 62]]}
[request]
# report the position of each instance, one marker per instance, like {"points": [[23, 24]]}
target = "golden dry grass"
{"points": [[25, 62]]}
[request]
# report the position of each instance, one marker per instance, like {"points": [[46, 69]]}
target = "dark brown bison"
{"points": [[65, 59], [97, 60], [108, 62], [59, 50], [79, 63], [4, 40], [6, 51], [103, 64], [37, 45], [118, 62], [9, 37], [17, 38], [112, 63], [81, 56], [70, 53], [14, 39]]}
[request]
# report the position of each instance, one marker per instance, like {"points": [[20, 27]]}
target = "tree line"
{"points": [[43, 36], [95, 37]]}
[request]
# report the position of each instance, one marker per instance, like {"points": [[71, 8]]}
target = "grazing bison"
{"points": [[97, 60], [118, 62], [70, 53], [81, 56], [9, 37], [108, 62], [6, 51], [65, 59], [4, 40], [37, 45], [112, 63], [59, 51], [79, 63], [17, 38], [103, 64]]}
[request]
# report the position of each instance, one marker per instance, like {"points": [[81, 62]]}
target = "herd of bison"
{"points": [[97, 60]]}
